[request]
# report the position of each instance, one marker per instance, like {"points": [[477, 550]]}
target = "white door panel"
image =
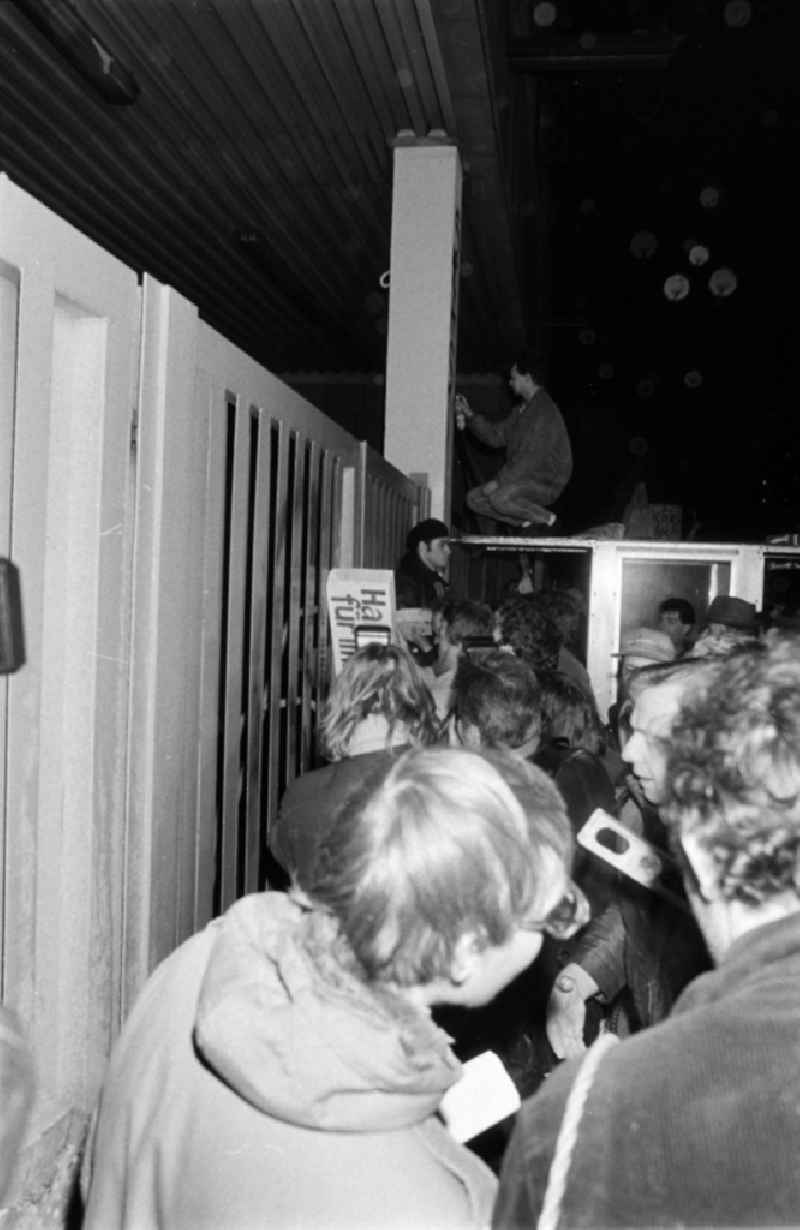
{"points": [[66, 458]]}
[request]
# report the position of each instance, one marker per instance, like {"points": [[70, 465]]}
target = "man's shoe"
{"points": [[524, 525]]}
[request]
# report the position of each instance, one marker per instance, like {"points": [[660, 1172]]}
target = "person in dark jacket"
{"points": [[419, 578], [420, 584], [538, 454], [641, 949], [696, 1122]]}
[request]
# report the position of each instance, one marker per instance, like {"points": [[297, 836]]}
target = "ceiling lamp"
{"points": [[676, 287], [67, 30], [545, 13], [723, 282], [698, 254], [644, 245], [737, 13]]}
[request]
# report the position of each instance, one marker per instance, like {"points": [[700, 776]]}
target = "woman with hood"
{"points": [[282, 1067]]}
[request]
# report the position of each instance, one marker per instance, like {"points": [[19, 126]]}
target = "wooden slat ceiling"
{"points": [[253, 171]]}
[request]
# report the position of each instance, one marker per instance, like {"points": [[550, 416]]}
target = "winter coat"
{"points": [[536, 441], [260, 1083], [695, 1122], [418, 585]]}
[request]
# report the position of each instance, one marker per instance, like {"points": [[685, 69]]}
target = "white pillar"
{"points": [[423, 313]]}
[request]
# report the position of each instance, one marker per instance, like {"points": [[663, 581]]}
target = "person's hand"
{"points": [[489, 487], [416, 635], [463, 411], [566, 1011], [414, 627]]}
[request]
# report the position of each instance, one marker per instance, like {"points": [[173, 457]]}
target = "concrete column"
{"points": [[423, 313]]}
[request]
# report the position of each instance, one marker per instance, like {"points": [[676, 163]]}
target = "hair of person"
{"points": [[500, 696], [443, 843], [383, 680], [684, 670], [681, 607], [529, 630], [734, 771], [530, 363], [426, 531], [464, 618], [558, 603], [723, 642], [568, 713]]}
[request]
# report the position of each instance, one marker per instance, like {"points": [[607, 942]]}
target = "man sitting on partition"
{"points": [[538, 461]]}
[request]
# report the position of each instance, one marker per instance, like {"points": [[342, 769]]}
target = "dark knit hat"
{"points": [[426, 531], [733, 613]]}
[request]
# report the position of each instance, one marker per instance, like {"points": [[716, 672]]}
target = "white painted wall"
{"points": [[423, 310]]}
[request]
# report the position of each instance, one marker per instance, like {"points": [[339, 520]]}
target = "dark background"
{"points": [[630, 150]]}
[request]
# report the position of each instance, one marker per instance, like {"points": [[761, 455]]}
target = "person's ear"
{"points": [[465, 958]]}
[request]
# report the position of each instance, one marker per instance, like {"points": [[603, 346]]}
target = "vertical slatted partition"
{"points": [[237, 594], [283, 513], [387, 505], [273, 664]]}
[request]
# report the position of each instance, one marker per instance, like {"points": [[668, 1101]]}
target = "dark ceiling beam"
{"points": [[592, 53], [496, 323], [75, 39]]}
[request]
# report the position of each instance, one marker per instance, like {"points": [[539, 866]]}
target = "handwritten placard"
{"points": [[360, 601]]}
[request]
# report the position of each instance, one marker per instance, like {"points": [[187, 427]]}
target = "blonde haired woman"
{"points": [[378, 705]]}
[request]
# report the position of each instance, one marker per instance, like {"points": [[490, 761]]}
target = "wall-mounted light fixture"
{"points": [[72, 35]]}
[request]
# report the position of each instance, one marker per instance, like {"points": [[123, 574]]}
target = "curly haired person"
{"points": [[696, 1121]]}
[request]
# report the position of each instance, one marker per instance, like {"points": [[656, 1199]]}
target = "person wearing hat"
{"points": [[538, 461], [730, 623], [643, 647], [726, 611]]}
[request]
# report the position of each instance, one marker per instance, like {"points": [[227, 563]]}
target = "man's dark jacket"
{"points": [[417, 585], [695, 1122]]}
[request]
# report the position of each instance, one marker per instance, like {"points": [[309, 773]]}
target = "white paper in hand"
{"points": [[483, 1096]]}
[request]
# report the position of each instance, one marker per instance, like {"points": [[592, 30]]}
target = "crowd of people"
{"points": [[289, 1065]]}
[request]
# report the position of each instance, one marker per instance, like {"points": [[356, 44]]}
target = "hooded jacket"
{"points": [[259, 1082]]}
